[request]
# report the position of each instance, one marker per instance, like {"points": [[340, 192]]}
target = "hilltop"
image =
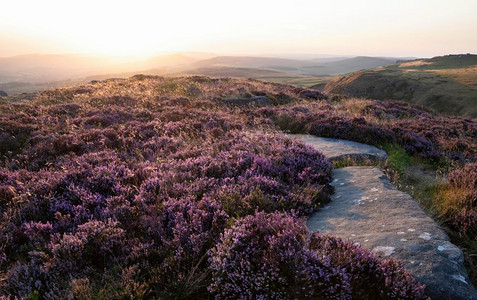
{"points": [[447, 84]]}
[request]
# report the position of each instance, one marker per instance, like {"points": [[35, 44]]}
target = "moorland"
{"points": [[151, 187]]}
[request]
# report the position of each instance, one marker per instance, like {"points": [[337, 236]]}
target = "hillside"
{"points": [[29, 73], [236, 72], [447, 84], [153, 187], [306, 67]]}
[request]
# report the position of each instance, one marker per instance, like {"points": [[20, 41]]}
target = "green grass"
{"points": [[398, 158], [397, 161]]}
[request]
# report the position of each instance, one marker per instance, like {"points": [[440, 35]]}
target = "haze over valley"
{"points": [[33, 72]]}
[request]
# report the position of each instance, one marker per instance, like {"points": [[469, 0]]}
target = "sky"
{"points": [[418, 28]]}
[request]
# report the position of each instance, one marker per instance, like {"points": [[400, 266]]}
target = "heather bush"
{"points": [[264, 257], [379, 123], [368, 276], [121, 188], [267, 256], [321, 121]]}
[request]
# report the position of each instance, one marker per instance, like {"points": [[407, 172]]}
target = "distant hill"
{"points": [[236, 72], [447, 84], [38, 68], [355, 64], [315, 67], [28, 73]]}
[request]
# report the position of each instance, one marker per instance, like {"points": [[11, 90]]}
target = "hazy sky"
{"points": [[386, 27]]}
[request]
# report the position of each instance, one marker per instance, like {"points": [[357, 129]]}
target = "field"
{"points": [[152, 187]]}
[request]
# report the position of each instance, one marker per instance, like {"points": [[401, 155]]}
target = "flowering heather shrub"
{"points": [[264, 257], [267, 256], [356, 129], [369, 277], [120, 189], [389, 110], [379, 123]]}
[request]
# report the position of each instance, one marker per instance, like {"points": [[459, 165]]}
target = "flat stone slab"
{"points": [[366, 208], [336, 149], [255, 100]]}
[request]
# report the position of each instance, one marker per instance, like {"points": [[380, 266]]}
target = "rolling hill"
{"points": [[29, 73], [314, 67], [447, 84], [239, 72]]}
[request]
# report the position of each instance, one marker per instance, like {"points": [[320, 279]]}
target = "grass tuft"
{"points": [[398, 157]]}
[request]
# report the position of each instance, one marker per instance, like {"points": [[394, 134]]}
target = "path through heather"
{"points": [[368, 209]]}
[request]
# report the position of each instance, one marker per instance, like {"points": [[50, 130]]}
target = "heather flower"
{"points": [[131, 183], [264, 256]]}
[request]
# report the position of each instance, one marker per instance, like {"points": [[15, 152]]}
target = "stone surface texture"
{"points": [[336, 149], [256, 100], [366, 208]]}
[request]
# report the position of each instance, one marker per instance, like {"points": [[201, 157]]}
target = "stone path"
{"points": [[336, 149], [368, 209]]}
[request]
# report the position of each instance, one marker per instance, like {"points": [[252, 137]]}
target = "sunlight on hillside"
{"points": [[465, 76], [414, 63]]}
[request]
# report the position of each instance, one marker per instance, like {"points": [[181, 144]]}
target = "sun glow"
{"points": [[143, 27], [109, 27]]}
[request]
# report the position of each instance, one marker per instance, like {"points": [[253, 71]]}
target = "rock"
{"points": [[112, 79], [193, 91], [23, 97], [256, 100], [3, 94], [28, 96], [366, 208], [336, 149]]}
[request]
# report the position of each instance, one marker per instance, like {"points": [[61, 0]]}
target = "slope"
{"points": [[447, 84], [306, 67]]}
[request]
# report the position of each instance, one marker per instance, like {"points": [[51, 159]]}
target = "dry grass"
{"points": [[449, 197], [414, 63], [465, 76]]}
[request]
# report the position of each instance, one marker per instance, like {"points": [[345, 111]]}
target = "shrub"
{"points": [[368, 276], [267, 256], [264, 257], [121, 188], [457, 200]]}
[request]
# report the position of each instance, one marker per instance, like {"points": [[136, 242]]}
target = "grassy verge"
{"points": [[429, 187]]}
